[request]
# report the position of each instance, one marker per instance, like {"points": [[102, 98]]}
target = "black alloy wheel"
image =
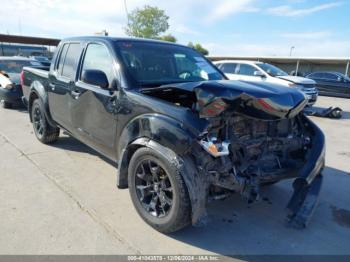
{"points": [[158, 191], [44, 132], [38, 122], [154, 188]]}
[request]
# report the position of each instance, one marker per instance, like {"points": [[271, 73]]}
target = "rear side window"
{"points": [[62, 57], [316, 75], [246, 70], [71, 61], [330, 76], [229, 68]]}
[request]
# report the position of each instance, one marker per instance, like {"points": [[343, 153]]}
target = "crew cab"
{"points": [[255, 71], [180, 133]]}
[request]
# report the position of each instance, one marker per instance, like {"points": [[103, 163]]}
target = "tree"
{"points": [[199, 48], [190, 44], [169, 38], [147, 22]]}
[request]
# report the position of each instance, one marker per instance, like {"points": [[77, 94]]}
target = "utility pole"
{"points": [[126, 12], [19, 26]]}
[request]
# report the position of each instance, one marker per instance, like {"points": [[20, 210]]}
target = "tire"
{"points": [[6, 104], [44, 132], [169, 218]]}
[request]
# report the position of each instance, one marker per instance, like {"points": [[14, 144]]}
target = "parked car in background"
{"points": [[331, 83], [10, 71], [179, 131], [42, 59], [263, 72]]}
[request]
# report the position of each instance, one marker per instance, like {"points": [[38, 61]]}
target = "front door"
{"points": [[246, 72], [94, 109]]}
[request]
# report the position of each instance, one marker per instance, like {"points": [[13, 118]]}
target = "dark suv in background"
{"points": [[331, 83], [10, 84]]}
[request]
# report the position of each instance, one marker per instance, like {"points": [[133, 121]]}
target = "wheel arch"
{"points": [[195, 181], [37, 91], [157, 131]]}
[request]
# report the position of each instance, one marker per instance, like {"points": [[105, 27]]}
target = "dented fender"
{"points": [[163, 130]]}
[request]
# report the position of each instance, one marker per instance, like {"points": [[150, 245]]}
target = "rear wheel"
{"points": [[44, 132], [158, 191]]}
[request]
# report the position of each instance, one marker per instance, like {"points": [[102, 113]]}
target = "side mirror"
{"points": [[95, 77], [259, 73], [340, 79]]}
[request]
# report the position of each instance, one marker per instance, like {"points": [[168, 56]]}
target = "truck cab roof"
{"points": [[116, 39]]}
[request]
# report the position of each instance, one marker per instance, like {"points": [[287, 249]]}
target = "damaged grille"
{"points": [[266, 149]]}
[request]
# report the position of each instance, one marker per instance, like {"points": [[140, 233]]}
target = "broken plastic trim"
{"points": [[215, 149], [308, 185]]}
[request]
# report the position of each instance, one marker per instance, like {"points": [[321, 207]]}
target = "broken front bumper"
{"points": [[308, 184]]}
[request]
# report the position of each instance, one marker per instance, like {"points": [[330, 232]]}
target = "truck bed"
{"points": [[31, 74]]}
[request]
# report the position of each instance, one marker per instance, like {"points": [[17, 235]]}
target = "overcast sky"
{"points": [[225, 27]]}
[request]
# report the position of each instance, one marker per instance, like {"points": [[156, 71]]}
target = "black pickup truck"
{"points": [[180, 132]]}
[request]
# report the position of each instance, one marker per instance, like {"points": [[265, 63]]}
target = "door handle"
{"points": [[76, 94]]}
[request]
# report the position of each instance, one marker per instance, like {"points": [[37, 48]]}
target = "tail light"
{"points": [[22, 78]]}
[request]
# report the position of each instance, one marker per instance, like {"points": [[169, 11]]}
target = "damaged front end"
{"points": [[257, 135]]}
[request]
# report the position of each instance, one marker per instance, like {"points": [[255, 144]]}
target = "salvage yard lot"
{"points": [[62, 199]]}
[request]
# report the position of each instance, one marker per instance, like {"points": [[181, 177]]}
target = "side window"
{"points": [[229, 68], [246, 70], [313, 75], [98, 57], [329, 76], [62, 57], [318, 75], [71, 61]]}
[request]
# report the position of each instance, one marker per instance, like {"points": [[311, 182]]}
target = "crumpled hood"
{"points": [[298, 79], [258, 100]]}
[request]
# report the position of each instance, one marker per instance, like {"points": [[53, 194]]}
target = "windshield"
{"points": [[272, 70], [157, 64], [41, 58], [346, 78], [15, 66]]}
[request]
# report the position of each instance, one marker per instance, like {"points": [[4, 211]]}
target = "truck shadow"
{"points": [[234, 227], [19, 108], [69, 143]]}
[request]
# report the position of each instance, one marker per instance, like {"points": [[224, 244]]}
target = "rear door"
{"points": [[331, 84], [230, 70], [61, 81], [93, 109]]}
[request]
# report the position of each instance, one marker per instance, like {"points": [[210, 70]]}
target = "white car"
{"points": [[263, 72]]}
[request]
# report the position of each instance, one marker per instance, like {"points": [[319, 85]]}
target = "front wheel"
{"points": [[158, 191], [44, 132]]}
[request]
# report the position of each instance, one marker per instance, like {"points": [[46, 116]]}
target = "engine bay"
{"points": [[259, 152]]}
